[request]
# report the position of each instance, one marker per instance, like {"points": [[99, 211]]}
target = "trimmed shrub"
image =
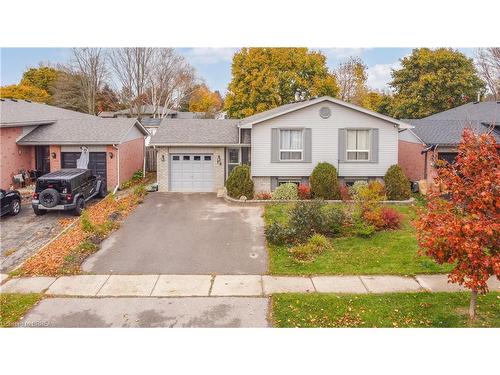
{"points": [[264, 195], [397, 184], [333, 220], [306, 218], [279, 234], [392, 218], [369, 196], [324, 183], [286, 191], [374, 217], [304, 191], [345, 193], [239, 183], [316, 245], [362, 229]]}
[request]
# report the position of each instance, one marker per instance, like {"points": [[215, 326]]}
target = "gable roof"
{"points": [[196, 132], [446, 128], [287, 108], [24, 113], [93, 130], [62, 126]]}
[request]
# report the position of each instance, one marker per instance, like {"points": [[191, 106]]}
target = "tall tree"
{"points": [[42, 77], [68, 91], [90, 66], [204, 100], [378, 101], [351, 77], [488, 62], [432, 81], [25, 92], [265, 78], [132, 68], [107, 100], [462, 227]]}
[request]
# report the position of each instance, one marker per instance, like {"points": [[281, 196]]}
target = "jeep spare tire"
{"points": [[49, 198]]}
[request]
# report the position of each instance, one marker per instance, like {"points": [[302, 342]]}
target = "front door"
{"points": [[42, 159]]}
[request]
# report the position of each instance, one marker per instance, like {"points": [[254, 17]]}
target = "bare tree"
{"points": [[488, 62], [171, 78], [67, 90], [132, 69], [351, 78], [90, 66]]}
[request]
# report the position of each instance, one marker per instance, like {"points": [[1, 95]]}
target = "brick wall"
{"points": [[13, 158], [131, 158], [111, 167], [411, 160], [55, 163]]}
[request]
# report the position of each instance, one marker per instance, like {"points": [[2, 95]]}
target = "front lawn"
{"points": [[385, 252], [14, 306], [384, 310]]}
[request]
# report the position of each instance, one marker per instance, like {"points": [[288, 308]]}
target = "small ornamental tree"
{"points": [[324, 183], [396, 184], [239, 183], [461, 224]]}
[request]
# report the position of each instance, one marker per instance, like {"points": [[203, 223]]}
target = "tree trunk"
{"points": [[473, 303]]}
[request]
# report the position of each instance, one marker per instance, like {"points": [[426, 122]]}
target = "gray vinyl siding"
{"points": [[325, 142]]}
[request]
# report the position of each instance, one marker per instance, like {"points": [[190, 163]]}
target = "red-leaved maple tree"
{"points": [[461, 224]]}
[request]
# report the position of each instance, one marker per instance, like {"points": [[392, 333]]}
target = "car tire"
{"points": [[49, 198], [15, 207], [80, 206], [102, 190], [39, 212]]}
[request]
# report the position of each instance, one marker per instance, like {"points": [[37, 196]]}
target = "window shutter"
{"points": [[275, 145], [307, 145], [342, 139], [374, 145]]}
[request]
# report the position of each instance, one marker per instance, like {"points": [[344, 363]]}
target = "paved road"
{"points": [[23, 234], [148, 312], [175, 233]]}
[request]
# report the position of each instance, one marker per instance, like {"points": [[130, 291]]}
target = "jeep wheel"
{"points": [[15, 207], [39, 212], [80, 205], [49, 197]]}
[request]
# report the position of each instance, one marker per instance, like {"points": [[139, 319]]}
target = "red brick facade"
{"points": [[411, 160], [131, 158], [13, 158], [55, 163]]}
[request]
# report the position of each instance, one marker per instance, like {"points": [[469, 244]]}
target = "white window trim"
{"points": [[301, 150], [228, 159], [368, 151]]}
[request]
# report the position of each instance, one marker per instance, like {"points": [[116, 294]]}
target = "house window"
{"points": [[358, 144], [291, 144], [233, 159]]}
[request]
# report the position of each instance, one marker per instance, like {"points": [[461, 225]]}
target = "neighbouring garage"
{"points": [[97, 161], [191, 172]]}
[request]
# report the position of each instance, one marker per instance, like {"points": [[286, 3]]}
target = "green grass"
{"points": [[14, 306], [384, 310], [386, 252]]}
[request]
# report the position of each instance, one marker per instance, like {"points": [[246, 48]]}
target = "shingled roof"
{"points": [[196, 132], [446, 128]]}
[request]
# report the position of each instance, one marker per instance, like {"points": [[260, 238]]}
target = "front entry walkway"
{"points": [[226, 285]]}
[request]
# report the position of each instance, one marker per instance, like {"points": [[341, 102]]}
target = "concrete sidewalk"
{"points": [[225, 285]]}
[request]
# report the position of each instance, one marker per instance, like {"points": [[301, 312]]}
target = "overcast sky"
{"points": [[213, 65]]}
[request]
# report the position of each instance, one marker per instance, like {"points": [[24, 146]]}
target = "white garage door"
{"points": [[193, 172]]}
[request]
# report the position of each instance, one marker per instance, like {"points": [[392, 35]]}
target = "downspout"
{"points": [[144, 158], [118, 168]]}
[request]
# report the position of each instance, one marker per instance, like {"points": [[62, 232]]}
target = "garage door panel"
{"points": [[191, 172], [97, 162]]}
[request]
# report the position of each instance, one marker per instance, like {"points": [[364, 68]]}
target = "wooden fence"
{"points": [[151, 159]]}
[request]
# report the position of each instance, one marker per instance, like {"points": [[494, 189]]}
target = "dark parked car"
{"points": [[66, 189], [10, 202]]}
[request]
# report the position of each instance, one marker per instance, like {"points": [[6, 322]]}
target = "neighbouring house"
{"points": [[150, 111], [283, 144], [438, 135], [45, 138]]}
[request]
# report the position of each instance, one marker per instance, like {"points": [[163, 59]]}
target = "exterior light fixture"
{"points": [[163, 158], [110, 155], [218, 160], [53, 155]]}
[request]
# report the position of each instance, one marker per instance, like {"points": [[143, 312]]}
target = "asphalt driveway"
{"points": [[176, 233]]}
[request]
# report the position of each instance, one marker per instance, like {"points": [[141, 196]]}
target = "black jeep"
{"points": [[66, 189]]}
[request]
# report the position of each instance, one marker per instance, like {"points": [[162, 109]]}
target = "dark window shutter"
{"points": [[374, 145], [342, 141], [307, 145], [275, 145]]}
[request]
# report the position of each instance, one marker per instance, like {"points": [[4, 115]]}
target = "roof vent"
{"points": [[325, 112], [14, 100]]}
